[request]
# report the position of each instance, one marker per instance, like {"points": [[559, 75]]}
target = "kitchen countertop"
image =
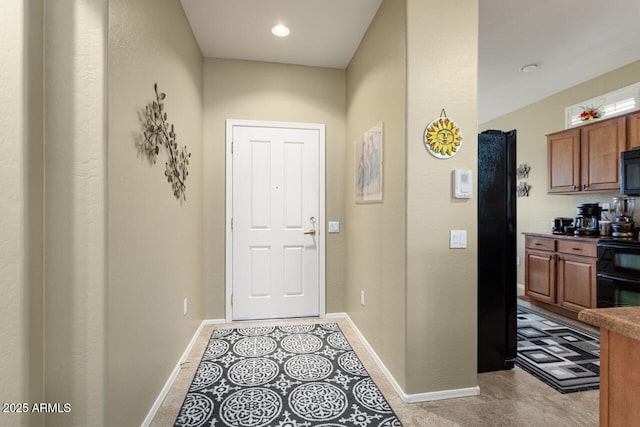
{"points": [[622, 320], [593, 239]]}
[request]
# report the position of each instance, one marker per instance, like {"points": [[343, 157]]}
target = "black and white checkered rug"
{"points": [[561, 355], [293, 376]]}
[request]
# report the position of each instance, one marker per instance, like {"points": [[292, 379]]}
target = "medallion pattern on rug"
{"points": [[292, 375], [563, 356]]}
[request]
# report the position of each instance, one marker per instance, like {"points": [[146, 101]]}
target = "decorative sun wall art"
{"points": [[368, 165], [157, 132], [443, 137]]}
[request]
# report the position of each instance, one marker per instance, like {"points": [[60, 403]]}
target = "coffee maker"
{"points": [[623, 224], [586, 221]]}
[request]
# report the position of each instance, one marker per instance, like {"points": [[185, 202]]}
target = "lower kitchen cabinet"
{"points": [[540, 280], [576, 282], [619, 361], [619, 379], [561, 271]]}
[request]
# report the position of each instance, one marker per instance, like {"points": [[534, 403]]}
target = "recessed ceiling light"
{"points": [[529, 68], [280, 30]]}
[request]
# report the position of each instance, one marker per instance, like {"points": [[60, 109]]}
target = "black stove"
{"points": [[618, 272]]}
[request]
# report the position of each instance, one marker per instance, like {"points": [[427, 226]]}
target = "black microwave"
{"points": [[630, 173]]}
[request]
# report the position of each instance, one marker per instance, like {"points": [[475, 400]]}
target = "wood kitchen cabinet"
{"points": [[540, 269], [563, 156], [619, 379], [561, 271], [600, 145], [619, 361], [587, 158], [633, 131], [577, 275]]}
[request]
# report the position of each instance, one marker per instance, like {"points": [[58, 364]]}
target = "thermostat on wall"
{"points": [[462, 183]]}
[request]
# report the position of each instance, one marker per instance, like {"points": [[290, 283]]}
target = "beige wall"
{"points": [[13, 307], [155, 241], [376, 237], [441, 282], [34, 186], [250, 90], [532, 123], [75, 207]]}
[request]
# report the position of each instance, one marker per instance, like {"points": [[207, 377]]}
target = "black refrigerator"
{"points": [[497, 275]]}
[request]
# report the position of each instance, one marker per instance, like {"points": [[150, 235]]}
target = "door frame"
{"points": [[230, 123]]}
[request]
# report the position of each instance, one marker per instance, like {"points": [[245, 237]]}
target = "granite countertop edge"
{"points": [[593, 239], [622, 320]]}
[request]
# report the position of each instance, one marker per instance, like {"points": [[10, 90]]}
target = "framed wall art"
{"points": [[368, 165]]}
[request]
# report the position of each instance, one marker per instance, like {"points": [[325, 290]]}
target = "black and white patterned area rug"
{"points": [[293, 376], [563, 356]]}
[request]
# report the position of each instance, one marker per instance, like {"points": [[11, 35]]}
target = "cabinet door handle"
{"points": [[576, 249], [559, 258], [538, 244], [585, 186], [550, 257], [575, 187]]}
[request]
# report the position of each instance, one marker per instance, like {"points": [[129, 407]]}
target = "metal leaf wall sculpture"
{"points": [[157, 132]]}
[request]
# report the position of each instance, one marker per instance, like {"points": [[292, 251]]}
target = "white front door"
{"points": [[276, 220]]}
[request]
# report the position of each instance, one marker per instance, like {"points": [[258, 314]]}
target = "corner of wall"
{"points": [[375, 245]]}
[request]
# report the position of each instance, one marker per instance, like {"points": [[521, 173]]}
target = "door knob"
{"points": [[311, 232]]}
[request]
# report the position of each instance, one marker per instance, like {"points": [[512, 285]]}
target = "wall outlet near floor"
{"points": [[184, 307], [362, 298], [517, 260]]}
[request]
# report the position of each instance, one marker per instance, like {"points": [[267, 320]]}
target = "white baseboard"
{"points": [[441, 395], [213, 322], [176, 370], [407, 398]]}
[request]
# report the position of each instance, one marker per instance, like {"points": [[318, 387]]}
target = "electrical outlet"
{"points": [[362, 298], [517, 260], [605, 207], [184, 307]]}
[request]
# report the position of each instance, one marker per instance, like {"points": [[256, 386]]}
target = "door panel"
{"points": [[276, 214], [601, 146], [563, 158], [540, 282], [577, 282]]}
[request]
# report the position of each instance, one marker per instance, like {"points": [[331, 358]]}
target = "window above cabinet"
{"points": [[615, 103]]}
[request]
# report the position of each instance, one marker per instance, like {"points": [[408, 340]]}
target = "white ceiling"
{"points": [[571, 40], [324, 33]]}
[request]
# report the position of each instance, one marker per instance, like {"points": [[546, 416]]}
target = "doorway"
{"points": [[275, 260]]}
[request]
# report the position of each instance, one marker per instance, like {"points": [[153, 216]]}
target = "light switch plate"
{"points": [[334, 226], [457, 239]]}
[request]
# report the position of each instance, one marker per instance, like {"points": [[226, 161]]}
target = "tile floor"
{"points": [[507, 398]]}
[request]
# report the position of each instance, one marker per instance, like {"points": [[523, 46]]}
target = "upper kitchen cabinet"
{"points": [[563, 155], [587, 158], [634, 130], [601, 144]]}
